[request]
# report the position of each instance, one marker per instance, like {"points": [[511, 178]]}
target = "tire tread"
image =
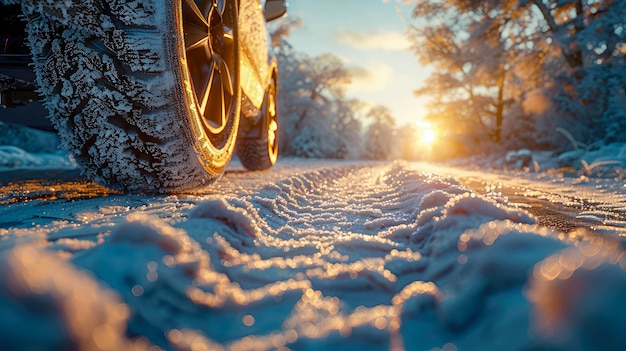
{"points": [[253, 154], [101, 66]]}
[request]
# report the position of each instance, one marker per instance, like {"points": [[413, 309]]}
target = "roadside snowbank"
{"points": [[607, 161], [352, 258], [23, 148]]}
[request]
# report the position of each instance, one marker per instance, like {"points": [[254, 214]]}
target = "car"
{"points": [[154, 96]]}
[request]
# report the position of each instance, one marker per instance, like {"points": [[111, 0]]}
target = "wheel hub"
{"points": [[209, 45]]}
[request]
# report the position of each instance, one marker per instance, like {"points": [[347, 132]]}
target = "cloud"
{"points": [[373, 78], [344, 59], [380, 40]]}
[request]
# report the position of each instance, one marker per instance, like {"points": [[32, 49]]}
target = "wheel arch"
{"points": [[251, 127]]}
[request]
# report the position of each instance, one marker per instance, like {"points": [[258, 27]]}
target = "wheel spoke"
{"points": [[200, 69], [271, 108], [195, 36], [206, 91], [201, 42], [194, 7], [271, 132], [217, 107], [228, 33], [227, 83], [210, 45], [221, 6]]}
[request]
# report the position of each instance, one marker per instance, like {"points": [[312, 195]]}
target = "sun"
{"points": [[426, 133], [429, 136]]}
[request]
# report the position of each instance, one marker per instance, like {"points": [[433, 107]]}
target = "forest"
{"points": [[507, 75]]}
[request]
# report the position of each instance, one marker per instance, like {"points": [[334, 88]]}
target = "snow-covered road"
{"points": [[316, 255]]}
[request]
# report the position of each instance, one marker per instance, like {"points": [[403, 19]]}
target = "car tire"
{"points": [[139, 97], [261, 152]]}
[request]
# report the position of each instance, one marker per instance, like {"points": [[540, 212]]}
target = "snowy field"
{"points": [[315, 255]]}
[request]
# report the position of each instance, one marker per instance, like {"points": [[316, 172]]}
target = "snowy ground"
{"points": [[315, 255]]}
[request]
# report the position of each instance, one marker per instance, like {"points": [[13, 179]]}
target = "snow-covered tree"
{"points": [[508, 70], [380, 141], [469, 46], [587, 87], [348, 124], [407, 136], [315, 117]]}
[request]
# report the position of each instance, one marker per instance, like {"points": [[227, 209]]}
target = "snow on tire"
{"points": [[117, 80]]}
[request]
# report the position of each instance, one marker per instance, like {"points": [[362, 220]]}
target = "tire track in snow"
{"points": [[366, 240], [344, 257]]}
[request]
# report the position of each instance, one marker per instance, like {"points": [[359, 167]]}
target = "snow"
{"points": [[317, 255], [30, 149], [606, 161]]}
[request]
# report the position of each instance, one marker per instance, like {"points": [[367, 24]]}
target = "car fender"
{"points": [[254, 48]]}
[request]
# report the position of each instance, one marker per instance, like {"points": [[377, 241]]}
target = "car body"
{"points": [[115, 73], [20, 103]]}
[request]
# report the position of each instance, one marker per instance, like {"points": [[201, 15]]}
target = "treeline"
{"points": [[539, 74], [316, 118]]}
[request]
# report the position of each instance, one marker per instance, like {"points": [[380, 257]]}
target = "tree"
{"points": [[407, 139], [348, 124], [379, 138], [316, 119], [587, 87], [493, 59], [469, 46]]}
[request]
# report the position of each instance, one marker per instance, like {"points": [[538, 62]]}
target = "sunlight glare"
{"points": [[428, 135]]}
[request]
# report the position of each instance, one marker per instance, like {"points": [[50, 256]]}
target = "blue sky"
{"points": [[369, 35]]}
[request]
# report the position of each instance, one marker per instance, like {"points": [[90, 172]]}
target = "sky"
{"points": [[370, 37]]}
